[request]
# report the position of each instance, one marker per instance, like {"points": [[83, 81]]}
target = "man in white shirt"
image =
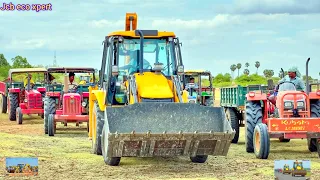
{"points": [[72, 84]]}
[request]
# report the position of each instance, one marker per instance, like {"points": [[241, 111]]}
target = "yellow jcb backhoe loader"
{"points": [[140, 108]]}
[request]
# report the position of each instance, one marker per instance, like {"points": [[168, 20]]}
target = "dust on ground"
{"points": [[68, 155]]}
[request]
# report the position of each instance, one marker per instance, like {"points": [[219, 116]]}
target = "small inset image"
{"points": [[292, 169], [19, 166]]}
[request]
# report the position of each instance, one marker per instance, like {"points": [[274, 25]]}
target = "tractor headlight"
{"points": [[300, 104], [84, 104], [25, 100], [192, 101], [288, 105]]}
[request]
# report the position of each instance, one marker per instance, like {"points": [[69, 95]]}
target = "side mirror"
{"points": [[115, 70], [180, 70]]}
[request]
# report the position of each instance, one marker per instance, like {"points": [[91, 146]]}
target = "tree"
{"points": [[246, 71], [257, 65], [233, 67], [247, 65], [239, 67], [3, 61], [268, 73], [20, 62]]}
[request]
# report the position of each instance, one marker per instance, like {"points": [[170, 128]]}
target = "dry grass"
{"points": [[67, 156]]}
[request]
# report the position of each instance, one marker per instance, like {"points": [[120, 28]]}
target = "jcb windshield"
{"points": [[154, 51]]}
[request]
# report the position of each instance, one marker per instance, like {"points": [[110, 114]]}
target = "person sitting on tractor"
{"points": [[132, 66], [191, 81], [52, 79], [294, 77], [72, 84], [29, 76]]}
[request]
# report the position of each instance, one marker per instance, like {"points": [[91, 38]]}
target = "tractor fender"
{"points": [[100, 96], [256, 96]]}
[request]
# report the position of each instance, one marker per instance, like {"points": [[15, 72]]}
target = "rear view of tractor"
{"points": [[66, 102], [296, 115], [21, 95], [203, 93], [139, 109], [298, 169]]}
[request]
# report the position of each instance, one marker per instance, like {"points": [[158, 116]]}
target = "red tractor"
{"points": [[65, 102], [296, 115], [23, 99]]}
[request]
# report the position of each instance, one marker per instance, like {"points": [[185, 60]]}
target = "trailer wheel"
{"points": [[51, 125], [253, 117], [199, 158], [14, 103], [261, 141], [315, 112], [234, 121], [111, 161], [3, 103], [19, 115], [49, 108], [99, 116]]}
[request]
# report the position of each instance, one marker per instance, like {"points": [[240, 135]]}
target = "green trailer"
{"points": [[233, 100]]}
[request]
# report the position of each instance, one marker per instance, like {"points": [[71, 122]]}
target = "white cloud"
{"points": [[285, 40], [260, 41], [312, 35], [259, 33], [105, 23], [276, 6], [28, 44]]}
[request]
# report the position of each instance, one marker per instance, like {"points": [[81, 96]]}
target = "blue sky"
{"points": [[278, 164], [214, 33], [16, 160]]}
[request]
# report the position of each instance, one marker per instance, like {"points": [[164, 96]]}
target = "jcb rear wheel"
{"points": [[261, 141], [253, 117], [112, 161], [99, 116], [199, 158], [234, 121]]}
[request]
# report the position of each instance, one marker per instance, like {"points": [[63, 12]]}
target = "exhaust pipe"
{"points": [[307, 76]]}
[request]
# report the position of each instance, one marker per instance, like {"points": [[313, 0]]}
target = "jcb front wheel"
{"points": [[261, 141], [111, 161]]}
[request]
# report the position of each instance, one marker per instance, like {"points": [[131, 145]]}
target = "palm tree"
{"points": [[233, 67], [247, 65], [239, 67], [246, 71], [257, 65]]}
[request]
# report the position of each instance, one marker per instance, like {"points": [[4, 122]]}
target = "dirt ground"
{"points": [[68, 156]]}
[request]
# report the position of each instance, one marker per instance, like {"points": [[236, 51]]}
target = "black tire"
{"points": [[262, 149], [282, 139], [234, 121], [111, 161], [315, 112], [51, 125], [14, 103], [253, 117], [19, 115], [49, 108], [96, 144], [199, 159], [3, 103]]}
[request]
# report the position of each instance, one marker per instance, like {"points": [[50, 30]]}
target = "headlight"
{"points": [[25, 100], [300, 104], [192, 101], [287, 104], [84, 104]]}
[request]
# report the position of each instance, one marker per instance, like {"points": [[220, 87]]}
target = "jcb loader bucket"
{"points": [[166, 129]]}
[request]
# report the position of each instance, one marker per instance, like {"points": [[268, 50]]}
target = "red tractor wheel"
{"points": [[51, 125]]}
